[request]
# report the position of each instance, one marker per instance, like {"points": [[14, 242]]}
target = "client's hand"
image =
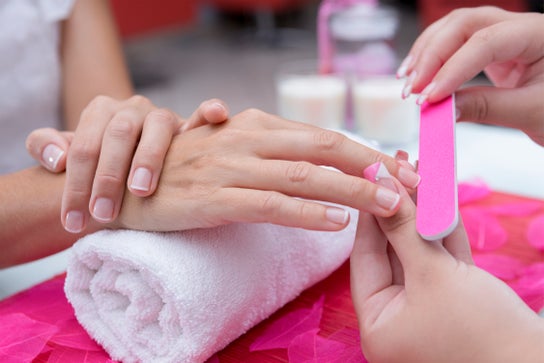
{"points": [[258, 167], [420, 301], [116, 143]]}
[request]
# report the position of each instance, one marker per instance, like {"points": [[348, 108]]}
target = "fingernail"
{"points": [[74, 221], [387, 197], [337, 215], [425, 93], [103, 209], [51, 155], [407, 90], [401, 155], [408, 177], [141, 180], [401, 72], [457, 113], [219, 107]]}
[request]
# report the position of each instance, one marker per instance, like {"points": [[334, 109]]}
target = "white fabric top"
{"points": [[29, 74]]}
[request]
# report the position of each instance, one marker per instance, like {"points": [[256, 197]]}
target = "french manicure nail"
{"points": [[74, 221], [141, 180], [407, 90], [408, 177], [337, 215], [425, 93], [387, 196], [103, 209], [387, 199], [401, 72], [51, 155]]}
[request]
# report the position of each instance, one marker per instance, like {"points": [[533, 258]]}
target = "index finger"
{"points": [[443, 38], [504, 41]]}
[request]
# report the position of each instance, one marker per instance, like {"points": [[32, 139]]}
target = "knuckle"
{"points": [[107, 181], [357, 188], [459, 13], [482, 37], [99, 103], [139, 100], [231, 136], [399, 221], [328, 140], [164, 117], [122, 126], [150, 155], [298, 172], [83, 152], [252, 115], [270, 204]]}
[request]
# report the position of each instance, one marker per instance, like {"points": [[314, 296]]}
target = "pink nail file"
{"points": [[437, 213]]}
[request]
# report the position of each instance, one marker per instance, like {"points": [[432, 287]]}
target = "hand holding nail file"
{"points": [[437, 213]]}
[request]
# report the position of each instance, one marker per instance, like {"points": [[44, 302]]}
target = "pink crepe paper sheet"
{"points": [[38, 325]]}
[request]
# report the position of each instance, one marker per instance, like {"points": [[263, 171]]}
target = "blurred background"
{"points": [[181, 52]]}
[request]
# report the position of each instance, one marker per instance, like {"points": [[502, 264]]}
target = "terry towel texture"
{"points": [[181, 297]]}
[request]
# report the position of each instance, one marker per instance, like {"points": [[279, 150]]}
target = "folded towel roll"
{"points": [[181, 297]]}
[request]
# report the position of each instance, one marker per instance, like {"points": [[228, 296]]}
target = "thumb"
{"points": [[49, 147], [413, 252], [519, 108], [213, 111]]}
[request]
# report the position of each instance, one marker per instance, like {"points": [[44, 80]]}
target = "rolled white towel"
{"points": [[181, 297]]}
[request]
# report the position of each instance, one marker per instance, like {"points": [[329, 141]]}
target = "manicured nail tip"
{"points": [[336, 215], [387, 199], [421, 99], [103, 210], [141, 180], [403, 68], [409, 178], [401, 73], [51, 156], [406, 91], [74, 222]]}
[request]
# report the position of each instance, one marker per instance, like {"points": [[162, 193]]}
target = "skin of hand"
{"points": [[116, 143], [257, 167], [254, 167], [507, 46], [426, 302]]}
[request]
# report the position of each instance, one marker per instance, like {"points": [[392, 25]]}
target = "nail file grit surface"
{"points": [[437, 212]]}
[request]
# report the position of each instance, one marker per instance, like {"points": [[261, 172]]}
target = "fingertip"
{"points": [[141, 182], [53, 158], [74, 221], [216, 112]]}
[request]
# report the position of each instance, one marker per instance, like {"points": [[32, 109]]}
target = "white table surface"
{"points": [[507, 160]]}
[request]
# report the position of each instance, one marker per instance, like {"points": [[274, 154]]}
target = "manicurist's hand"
{"points": [[507, 46], [257, 167], [426, 302], [117, 144]]}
